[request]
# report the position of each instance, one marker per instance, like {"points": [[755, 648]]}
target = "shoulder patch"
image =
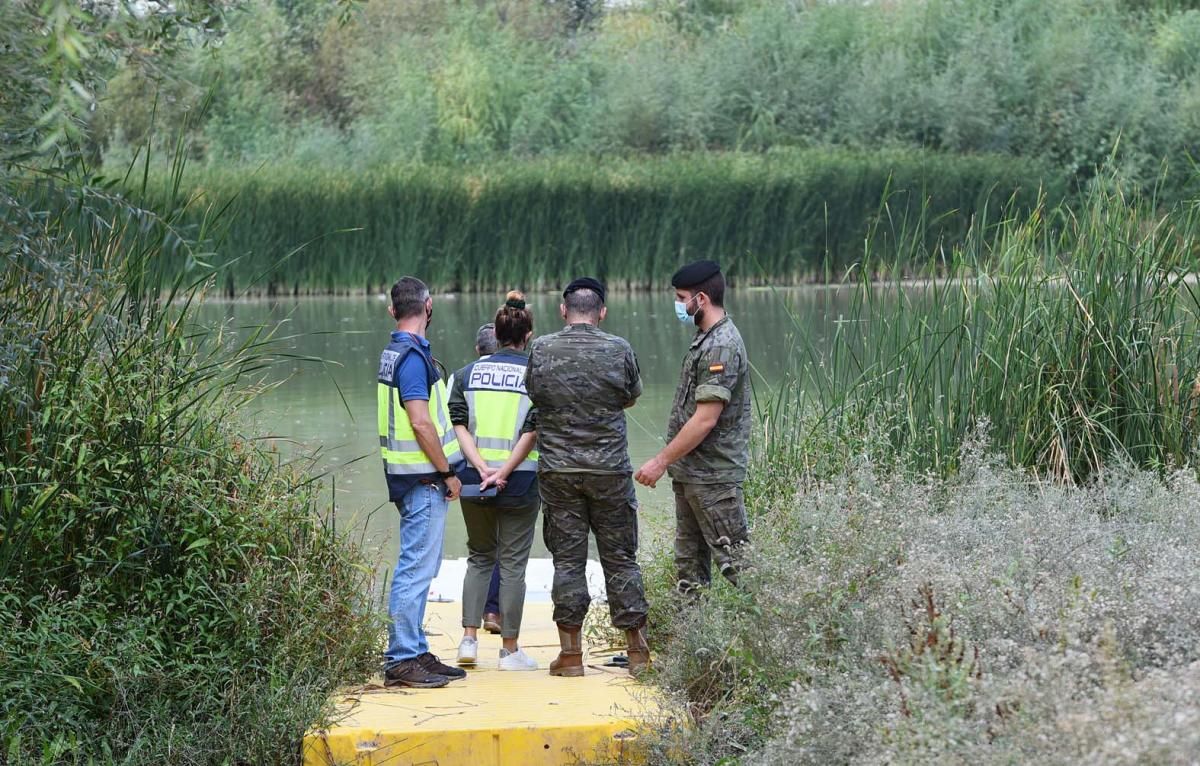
{"points": [[387, 365]]}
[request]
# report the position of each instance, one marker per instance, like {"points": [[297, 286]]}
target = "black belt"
{"points": [[430, 482]]}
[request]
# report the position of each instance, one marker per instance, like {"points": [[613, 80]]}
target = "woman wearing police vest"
{"points": [[496, 431]]}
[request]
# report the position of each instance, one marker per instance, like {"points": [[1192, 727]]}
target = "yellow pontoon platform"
{"points": [[492, 717]]}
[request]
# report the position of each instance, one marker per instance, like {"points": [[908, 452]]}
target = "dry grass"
{"points": [[987, 618]]}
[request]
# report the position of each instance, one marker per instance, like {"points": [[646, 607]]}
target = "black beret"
{"points": [[695, 273], [585, 283]]}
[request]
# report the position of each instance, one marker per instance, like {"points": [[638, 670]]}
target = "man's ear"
{"points": [[603, 312], [392, 311], [528, 336], [562, 310]]}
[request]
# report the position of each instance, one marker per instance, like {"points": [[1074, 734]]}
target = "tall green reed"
{"points": [[803, 214], [1070, 336]]}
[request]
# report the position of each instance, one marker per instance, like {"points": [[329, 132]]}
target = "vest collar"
{"points": [[399, 336], [523, 353]]}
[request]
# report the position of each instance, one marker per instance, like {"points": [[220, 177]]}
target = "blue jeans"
{"points": [[422, 527]]}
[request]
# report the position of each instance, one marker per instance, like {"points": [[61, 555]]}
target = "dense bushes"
{"points": [[780, 217], [168, 589], [1075, 83], [985, 618]]}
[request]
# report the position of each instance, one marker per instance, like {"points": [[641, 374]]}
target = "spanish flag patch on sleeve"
{"points": [[718, 367]]}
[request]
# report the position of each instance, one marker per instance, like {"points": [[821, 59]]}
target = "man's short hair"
{"points": [[485, 339], [713, 287], [583, 302], [408, 298]]}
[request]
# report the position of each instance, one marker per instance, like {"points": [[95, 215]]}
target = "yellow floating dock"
{"points": [[492, 717]]}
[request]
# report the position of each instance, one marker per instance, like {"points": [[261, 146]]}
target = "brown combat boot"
{"points": [[570, 657], [637, 651]]}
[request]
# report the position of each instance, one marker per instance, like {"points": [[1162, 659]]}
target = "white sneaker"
{"points": [[468, 651], [517, 660]]}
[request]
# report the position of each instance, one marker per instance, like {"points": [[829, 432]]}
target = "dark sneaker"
{"points": [[413, 673], [430, 663]]}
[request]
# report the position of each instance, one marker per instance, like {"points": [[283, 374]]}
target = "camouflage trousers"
{"points": [[605, 504], [710, 522]]}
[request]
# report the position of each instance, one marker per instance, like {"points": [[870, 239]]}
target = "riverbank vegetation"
{"points": [[488, 144], [1072, 331], [1074, 84], [974, 520], [169, 588], [988, 617], [783, 217]]}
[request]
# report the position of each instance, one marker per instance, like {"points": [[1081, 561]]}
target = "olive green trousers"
{"points": [[504, 535]]}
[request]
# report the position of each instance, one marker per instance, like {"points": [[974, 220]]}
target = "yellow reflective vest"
{"points": [[494, 388], [402, 455]]}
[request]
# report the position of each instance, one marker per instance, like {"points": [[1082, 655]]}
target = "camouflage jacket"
{"points": [[581, 379], [715, 369]]}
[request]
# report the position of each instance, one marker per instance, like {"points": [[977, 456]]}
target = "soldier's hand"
{"points": [[651, 472], [453, 488]]}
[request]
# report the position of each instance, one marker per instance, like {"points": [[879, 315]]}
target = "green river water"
{"points": [[306, 413]]}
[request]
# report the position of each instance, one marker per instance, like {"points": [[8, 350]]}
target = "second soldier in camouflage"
{"points": [[581, 380], [709, 434]]}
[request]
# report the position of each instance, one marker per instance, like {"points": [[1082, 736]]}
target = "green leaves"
{"points": [[58, 55], [203, 541], [159, 574]]}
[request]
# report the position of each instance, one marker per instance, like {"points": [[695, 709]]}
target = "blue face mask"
{"points": [[681, 312]]}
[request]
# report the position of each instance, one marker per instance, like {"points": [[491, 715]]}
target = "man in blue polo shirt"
{"points": [[420, 456]]}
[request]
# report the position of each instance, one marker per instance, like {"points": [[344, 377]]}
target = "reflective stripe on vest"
{"points": [[397, 440], [496, 419]]}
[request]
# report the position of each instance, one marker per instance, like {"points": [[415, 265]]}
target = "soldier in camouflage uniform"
{"points": [[580, 380], [708, 434]]}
